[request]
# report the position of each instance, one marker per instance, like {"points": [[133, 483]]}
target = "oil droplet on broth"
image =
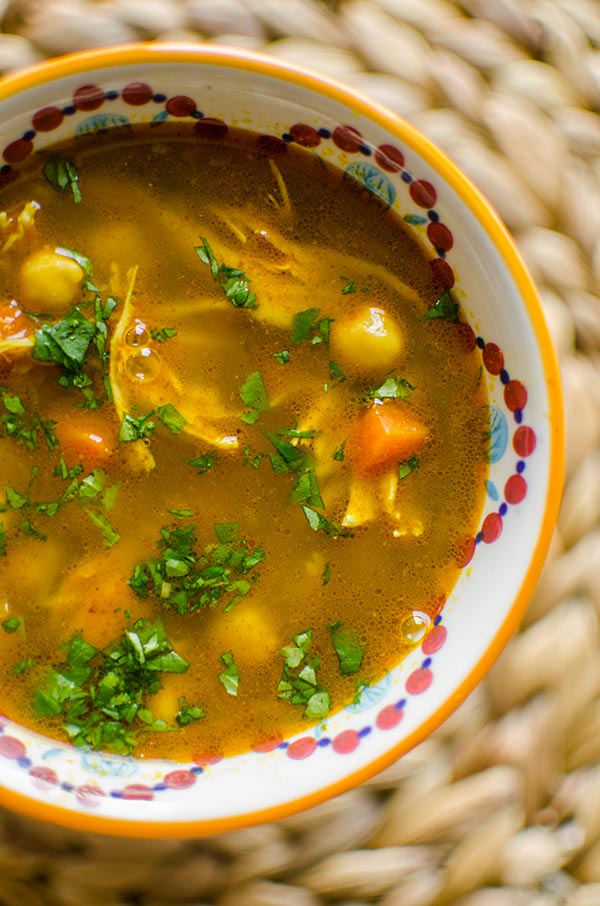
{"points": [[414, 627], [137, 335], [143, 365]]}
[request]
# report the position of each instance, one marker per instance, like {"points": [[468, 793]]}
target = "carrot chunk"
{"points": [[388, 432]]}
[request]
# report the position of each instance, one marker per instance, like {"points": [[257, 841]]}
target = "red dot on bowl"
{"points": [[345, 742], [11, 747], [493, 358], [515, 489], [442, 272], [271, 146], [466, 335], [179, 780], [424, 194], [208, 758], [419, 681], [88, 97], [389, 158], [89, 794], [515, 395], [137, 791], [305, 135], [524, 441], [440, 236], [491, 528], [44, 775], [210, 128], [434, 640], [17, 150], [267, 745], [47, 119], [389, 717], [136, 94], [347, 138], [181, 105], [301, 748]]}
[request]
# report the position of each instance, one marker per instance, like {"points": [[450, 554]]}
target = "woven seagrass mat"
{"points": [[501, 807]]}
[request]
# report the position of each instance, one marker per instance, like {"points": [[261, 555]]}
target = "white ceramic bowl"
{"points": [[470, 247]]}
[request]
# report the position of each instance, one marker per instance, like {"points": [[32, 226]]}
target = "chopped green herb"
{"points": [[444, 307], [336, 373], [65, 342], [164, 334], [326, 575], [133, 428], [348, 287], [2, 540], [14, 499], [28, 529], [100, 694], [11, 625], [299, 684], [22, 427], [183, 580], [282, 357], [307, 489], [393, 388], [23, 666], [62, 174], [171, 418], [230, 678], [181, 514], [308, 326], [232, 281], [203, 463], [339, 452], [254, 395], [319, 523], [187, 714], [250, 459], [288, 458], [405, 468], [109, 534], [348, 647]]}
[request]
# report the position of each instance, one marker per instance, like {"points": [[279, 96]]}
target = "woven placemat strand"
{"points": [[501, 807]]}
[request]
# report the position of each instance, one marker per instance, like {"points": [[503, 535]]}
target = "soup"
{"points": [[242, 442]]}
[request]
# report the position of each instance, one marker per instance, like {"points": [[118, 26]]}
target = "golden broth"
{"points": [[336, 531]]}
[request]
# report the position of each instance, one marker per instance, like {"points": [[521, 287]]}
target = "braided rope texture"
{"points": [[501, 806]]}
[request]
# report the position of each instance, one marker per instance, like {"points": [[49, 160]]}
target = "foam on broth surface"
{"points": [[334, 537]]}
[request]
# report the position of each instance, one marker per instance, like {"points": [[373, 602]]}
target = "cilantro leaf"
{"points": [[408, 466], [164, 334], [66, 342], [319, 523], [230, 678], [299, 683], [171, 418], [393, 388], [62, 174], [348, 287], [10, 625], [188, 714], [348, 647], [232, 281], [133, 428], [444, 307], [307, 325], [254, 395], [203, 463]]}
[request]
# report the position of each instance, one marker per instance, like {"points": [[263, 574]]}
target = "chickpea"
{"points": [[369, 339], [49, 282]]}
